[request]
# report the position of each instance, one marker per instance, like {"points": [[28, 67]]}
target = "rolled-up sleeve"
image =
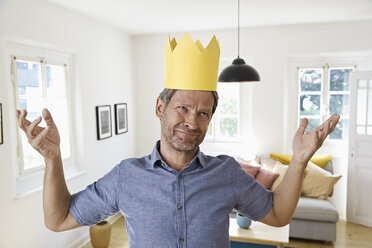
{"points": [[97, 201], [254, 201]]}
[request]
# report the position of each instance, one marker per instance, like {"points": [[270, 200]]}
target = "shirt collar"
{"points": [[156, 158]]}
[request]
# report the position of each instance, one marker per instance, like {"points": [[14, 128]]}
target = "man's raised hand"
{"points": [[304, 145], [45, 140]]}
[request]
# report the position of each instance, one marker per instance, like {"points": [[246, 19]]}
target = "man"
{"points": [[177, 196]]}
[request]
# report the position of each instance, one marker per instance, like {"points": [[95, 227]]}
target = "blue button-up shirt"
{"points": [[164, 208]]}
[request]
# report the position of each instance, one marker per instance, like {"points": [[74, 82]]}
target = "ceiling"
{"points": [[159, 16]]}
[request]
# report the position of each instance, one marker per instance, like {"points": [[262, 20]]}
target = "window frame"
{"points": [[31, 181], [325, 92], [338, 148], [43, 63], [215, 121]]}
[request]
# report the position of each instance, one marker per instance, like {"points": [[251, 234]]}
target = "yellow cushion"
{"points": [[281, 169], [317, 182], [319, 160]]}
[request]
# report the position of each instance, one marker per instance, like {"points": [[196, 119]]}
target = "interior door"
{"points": [[359, 188]]}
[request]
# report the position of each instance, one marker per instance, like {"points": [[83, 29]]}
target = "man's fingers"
{"points": [[37, 140], [324, 130], [333, 122], [22, 122], [303, 124], [327, 127], [48, 118], [32, 126]]}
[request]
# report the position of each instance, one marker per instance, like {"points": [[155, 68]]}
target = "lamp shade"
{"points": [[239, 72]]}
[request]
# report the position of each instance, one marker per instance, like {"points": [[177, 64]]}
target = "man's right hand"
{"points": [[45, 140]]}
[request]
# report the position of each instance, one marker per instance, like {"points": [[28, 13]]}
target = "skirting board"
{"points": [[86, 239]]}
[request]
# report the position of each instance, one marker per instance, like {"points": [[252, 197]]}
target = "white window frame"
{"points": [[43, 62], [31, 180], [360, 62], [324, 93], [224, 62]]}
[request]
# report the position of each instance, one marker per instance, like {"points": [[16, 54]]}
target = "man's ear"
{"points": [[159, 108]]}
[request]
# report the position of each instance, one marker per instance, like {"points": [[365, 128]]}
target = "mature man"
{"points": [[176, 196]]}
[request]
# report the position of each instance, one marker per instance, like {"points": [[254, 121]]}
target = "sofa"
{"points": [[313, 218]]}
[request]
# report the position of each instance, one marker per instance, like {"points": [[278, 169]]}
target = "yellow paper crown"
{"points": [[190, 66]]}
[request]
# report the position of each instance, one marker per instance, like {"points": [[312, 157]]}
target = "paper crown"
{"points": [[190, 66]]}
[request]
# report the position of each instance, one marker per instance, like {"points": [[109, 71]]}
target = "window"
{"points": [[324, 91], [39, 84], [225, 124]]}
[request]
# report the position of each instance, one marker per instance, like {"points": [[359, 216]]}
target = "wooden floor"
{"points": [[349, 235]]}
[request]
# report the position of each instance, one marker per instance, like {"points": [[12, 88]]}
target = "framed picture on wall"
{"points": [[103, 116], [121, 118], [1, 124]]}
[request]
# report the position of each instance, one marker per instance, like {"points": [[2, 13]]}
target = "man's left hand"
{"points": [[304, 145]]}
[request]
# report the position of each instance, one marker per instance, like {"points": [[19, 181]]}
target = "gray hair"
{"points": [[167, 94]]}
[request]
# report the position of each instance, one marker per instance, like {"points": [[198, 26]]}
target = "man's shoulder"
{"points": [[132, 163], [219, 160]]}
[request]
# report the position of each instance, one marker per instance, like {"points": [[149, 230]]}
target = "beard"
{"points": [[178, 143]]}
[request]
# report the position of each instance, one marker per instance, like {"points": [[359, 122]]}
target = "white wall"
{"points": [[102, 75], [268, 49]]}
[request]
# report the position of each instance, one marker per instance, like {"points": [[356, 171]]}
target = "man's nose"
{"points": [[191, 121]]}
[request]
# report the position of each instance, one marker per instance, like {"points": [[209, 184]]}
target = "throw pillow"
{"points": [[248, 167], [266, 178], [319, 160], [281, 169], [318, 183], [268, 163]]}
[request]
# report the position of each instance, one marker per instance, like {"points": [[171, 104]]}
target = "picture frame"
{"points": [[1, 125], [121, 118], [103, 116]]}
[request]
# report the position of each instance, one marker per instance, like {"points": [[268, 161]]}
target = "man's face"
{"points": [[185, 120]]}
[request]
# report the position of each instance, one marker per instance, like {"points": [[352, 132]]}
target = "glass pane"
{"points": [[229, 127], [58, 108], [310, 105], [56, 80], [31, 158], [339, 79], [29, 78], [311, 79], [370, 83], [369, 130], [313, 123], [361, 129], [341, 131], [339, 104], [362, 83], [361, 106], [370, 106], [33, 105], [228, 98]]}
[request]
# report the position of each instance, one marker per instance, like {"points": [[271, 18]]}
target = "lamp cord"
{"points": [[238, 29]]}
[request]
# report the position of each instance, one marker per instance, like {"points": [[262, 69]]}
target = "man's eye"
{"points": [[182, 107], [204, 114]]}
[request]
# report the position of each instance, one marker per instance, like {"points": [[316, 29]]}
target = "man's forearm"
{"points": [[286, 195], [56, 197]]}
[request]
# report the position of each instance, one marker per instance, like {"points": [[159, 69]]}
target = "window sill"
{"points": [[29, 183]]}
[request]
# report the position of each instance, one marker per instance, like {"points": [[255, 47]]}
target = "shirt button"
{"points": [[179, 176], [182, 239], [179, 207]]}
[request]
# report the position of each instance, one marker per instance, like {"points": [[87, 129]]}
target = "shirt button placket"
{"points": [[181, 212]]}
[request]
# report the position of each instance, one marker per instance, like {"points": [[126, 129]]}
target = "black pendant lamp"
{"points": [[239, 71]]}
